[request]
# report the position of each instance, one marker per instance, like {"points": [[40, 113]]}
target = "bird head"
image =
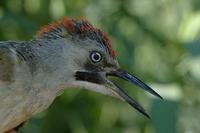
{"points": [[91, 59]]}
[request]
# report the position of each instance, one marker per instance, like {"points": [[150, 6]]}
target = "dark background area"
{"points": [[157, 40]]}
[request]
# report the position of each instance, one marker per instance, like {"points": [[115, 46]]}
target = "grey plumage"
{"points": [[24, 80], [33, 73]]}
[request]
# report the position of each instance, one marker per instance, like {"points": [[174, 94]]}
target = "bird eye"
{"points": [[95, 57]]}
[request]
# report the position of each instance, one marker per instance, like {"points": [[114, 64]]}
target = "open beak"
{"points": [[101, 78]]}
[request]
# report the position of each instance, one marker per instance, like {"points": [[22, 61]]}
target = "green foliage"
{"points": [[157, 40]]}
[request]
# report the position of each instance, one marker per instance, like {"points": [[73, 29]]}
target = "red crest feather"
{"points": [[82, 28]]}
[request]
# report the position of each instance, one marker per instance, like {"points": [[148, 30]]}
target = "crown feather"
{"points": [[82, 28]]}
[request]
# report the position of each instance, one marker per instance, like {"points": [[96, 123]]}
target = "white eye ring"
{"points": [[95, 57]]}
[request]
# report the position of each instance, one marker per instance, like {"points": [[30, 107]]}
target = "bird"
{"points": [[68, 53]]}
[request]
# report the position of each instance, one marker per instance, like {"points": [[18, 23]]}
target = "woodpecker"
{"points": [[68, 53]]}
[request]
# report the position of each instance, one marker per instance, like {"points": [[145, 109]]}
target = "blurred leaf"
{"points": [[164, 116], [193, 47]]}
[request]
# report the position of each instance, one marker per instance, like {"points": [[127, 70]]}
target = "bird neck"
{"points": [[46, 61]]}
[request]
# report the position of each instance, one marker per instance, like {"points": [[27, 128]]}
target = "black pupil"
{"points": [[96, 57]]}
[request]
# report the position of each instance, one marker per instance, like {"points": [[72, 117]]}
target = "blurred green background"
{"points": [[157, 40]]}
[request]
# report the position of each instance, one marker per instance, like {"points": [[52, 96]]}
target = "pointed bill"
{"points": [[130, 78], [99, 78]]}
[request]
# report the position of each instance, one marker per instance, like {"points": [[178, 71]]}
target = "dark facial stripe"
{"points": [[89, 76]]}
